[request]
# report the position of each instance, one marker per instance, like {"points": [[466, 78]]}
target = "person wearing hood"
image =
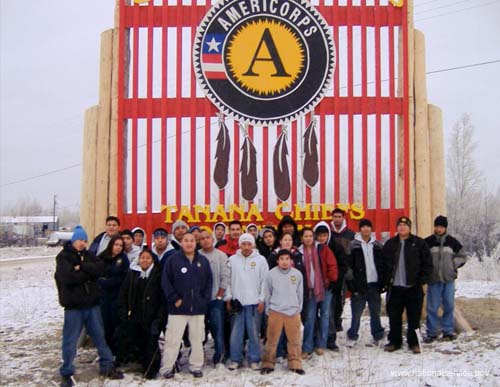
{"points": [[160, 245], [321, 270], [364, 279], [245, 301], [219, 231], [288, 225], [229, 245], [447, 256], [323, 234], [267, 241], [138, 237], [130, 248], [179, 228], [142, 312], [76, 277], [116, 265], [187, 285]]}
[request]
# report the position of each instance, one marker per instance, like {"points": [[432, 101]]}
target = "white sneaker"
{"points": [[233, 366], [280, 360], [351, 343], [255, 366]]}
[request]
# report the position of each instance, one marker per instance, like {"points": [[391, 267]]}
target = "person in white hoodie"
{"points": [[364, 279], [245, 301]]}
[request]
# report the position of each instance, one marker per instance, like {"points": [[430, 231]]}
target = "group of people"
{"points": [[278, 287]]}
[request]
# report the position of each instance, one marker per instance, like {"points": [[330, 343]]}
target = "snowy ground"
{"points": [[31, 322]]}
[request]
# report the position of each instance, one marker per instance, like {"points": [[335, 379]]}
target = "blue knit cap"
{"points": [[79, 234]]}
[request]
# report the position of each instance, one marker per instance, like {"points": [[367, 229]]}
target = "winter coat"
{"points": [[344, 236], [418, 260], [356, 277], [296, 236], [141, 300], [77, 289], [328, 262], [115, 270], [228, 246], [94, 246], [447, 256], [188, 281]]}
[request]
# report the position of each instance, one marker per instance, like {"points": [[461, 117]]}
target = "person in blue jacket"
{"points": [[116, 266], [187, 285]]}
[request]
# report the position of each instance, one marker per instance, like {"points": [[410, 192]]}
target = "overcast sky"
{"points": [[49, 61]]}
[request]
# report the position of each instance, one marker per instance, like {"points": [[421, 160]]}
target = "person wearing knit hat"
{"points": [[77, 272], [248, 273], [161, 247], [365, 223], [179, 228], [447, 256], [267, 241], [407, 266]]}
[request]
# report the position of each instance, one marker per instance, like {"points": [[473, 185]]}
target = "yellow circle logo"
{"points": [[266, 57]]}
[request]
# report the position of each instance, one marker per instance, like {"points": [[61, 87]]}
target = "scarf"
{"points": [[311, 257]]}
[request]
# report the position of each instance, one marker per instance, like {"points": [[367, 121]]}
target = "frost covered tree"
{"points": [[474, 213]]}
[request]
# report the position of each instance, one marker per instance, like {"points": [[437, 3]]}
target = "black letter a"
{"points": [[273, 52]]}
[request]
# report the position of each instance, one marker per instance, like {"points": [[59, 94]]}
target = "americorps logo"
{"points": [[264, 62]]}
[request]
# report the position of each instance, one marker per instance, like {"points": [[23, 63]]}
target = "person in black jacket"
{"points": [[267, 241], [101, 241], [364, 279], [116, 266], [187, 286], [76, 275], [142, 313], [407, 266], [288, 225]]}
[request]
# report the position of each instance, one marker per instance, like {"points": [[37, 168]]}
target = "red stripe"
{"points": [[149, 127], [215, 74], [211, 58], [121, 125]]}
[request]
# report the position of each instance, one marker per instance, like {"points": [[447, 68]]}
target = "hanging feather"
{"points": [[280, 168], [310, 171], [222, 152], [248, 169]]}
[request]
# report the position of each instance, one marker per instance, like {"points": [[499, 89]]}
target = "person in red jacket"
{"points": [[321, 270], [229, 244]]}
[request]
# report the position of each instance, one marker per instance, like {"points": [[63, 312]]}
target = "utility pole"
{"points": [[54, 215]]}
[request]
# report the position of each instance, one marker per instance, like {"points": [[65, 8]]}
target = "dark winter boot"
{"points": [[67, 381], [112, 373]]}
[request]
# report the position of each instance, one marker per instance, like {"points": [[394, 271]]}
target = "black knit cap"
{"points": [[405, 220], [160, 232], [365, 223], [127, 232], [441, 221]]}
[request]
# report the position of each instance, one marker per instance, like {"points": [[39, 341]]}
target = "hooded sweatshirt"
{"points": [[343, 235], [247, 278], [213, 231], [296, 237], [324, 224]]}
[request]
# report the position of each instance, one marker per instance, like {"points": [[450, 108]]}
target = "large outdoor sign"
{"points": [[264, 62]]}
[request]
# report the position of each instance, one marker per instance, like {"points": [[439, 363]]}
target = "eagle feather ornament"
{"points": [[280, 168], [222, 153]]}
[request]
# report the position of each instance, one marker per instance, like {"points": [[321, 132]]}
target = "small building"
{"points": [[28, 226]]}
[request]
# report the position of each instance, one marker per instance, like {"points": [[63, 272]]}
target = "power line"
{"points": [[458, 10], [201, 126]]}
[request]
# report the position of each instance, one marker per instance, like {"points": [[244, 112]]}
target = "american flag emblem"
{"points": [[211, 57]]}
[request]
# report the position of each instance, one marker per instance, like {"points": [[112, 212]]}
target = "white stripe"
{"points": [[213, 67]]}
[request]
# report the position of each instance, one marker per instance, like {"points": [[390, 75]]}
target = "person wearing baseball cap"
{"points": [[407, 266], [447, 256], [248, 273]]}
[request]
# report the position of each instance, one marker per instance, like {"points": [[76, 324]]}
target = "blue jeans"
{"points": [[216, 324], [74, 320], [310, 340], [440, 294], [245, 321], [358, 302]]}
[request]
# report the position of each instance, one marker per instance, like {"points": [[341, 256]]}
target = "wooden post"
{"points": [[87, 201], [103, 130], [438, 168], [411, 114], [460, 322], [422, 156]]}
